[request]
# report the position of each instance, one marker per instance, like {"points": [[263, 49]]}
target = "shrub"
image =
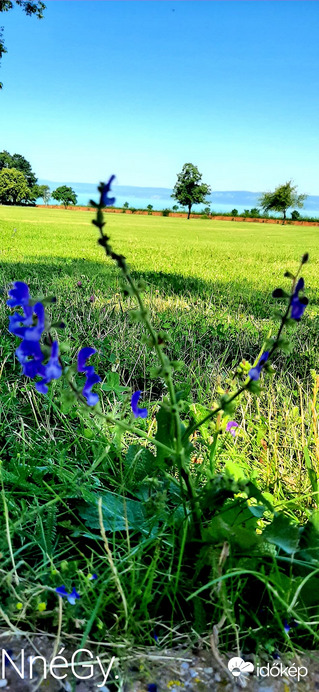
{"points": [[234, 212], [295, 215], [166, 212]]}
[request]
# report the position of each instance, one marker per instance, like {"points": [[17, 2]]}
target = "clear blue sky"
{"points": [[140, 88]]}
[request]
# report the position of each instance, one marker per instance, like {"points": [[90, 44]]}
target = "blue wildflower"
{"points": [[92, 576], [137, 412], [30, 356], [298, 305], [287, 627], [18, 323], [83, 356], [105, 200], [52, 370], [254, 373], [61, 590], [19, 295], [22, 325], [151, 687], [91, 377]]}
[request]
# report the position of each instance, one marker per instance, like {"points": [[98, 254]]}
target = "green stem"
{"points": [[164, 361]]}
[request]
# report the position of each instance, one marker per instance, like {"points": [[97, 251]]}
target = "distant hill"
{"points": [[242, 198]]}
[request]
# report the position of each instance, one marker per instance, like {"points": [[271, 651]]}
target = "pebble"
{"points": [[208, 671], [184, 665]]}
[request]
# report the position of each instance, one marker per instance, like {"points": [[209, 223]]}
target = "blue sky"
{"points": [[140, 88]]}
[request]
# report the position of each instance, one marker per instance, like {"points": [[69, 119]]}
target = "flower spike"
{"points": [[137, 412], [105, 200]]}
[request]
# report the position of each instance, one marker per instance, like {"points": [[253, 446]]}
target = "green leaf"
{"points": [[253, 387], [252, 491], [112, 384], [140, 463], [311, 471], [118, 512], [165, 433], [283, 534], [309, 540], [227, 405], [68, 399]]}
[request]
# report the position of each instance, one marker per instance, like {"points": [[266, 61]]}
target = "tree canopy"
{"points": [[43, 192], [29, 8], [188, 189], [283, 197], [13, 187], [65, 195], [20, 164]]}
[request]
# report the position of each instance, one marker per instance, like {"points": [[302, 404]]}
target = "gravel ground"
{"points": [[152, 670]]}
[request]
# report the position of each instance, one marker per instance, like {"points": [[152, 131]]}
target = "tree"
{"points": [[149, 209], [29, 8], [295, 215], [13, 187], [65, 195], [175, 207], [44, 192], [234, 212], [188, 189], [126, 205], [283, 197], [254, 212], [18, 162]]}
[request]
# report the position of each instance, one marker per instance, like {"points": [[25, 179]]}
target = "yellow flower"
{"points": [[41, 607]]}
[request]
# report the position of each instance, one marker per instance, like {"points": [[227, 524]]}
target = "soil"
{"points": [[184, 216], [149, 670]]}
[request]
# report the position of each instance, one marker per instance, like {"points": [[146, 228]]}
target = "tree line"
{"points": [[190, 190], [19, 184]]}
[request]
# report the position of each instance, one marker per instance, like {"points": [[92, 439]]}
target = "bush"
{"points": [[234, 212], [166, 212], [254, 212], [295, 215]]}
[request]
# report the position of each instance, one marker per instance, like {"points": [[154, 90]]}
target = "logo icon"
{"points": [[238, 666]]}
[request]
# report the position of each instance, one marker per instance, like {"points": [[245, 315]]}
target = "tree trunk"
{"points": [[284, 217], [189, 210]]}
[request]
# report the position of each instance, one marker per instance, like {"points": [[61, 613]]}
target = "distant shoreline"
{"points": [[249, 219]]}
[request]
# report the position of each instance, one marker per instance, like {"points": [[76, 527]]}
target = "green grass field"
{"points": [[208, 286]]}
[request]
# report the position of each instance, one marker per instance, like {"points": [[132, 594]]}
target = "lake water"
{"points": [[160, 202]]}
